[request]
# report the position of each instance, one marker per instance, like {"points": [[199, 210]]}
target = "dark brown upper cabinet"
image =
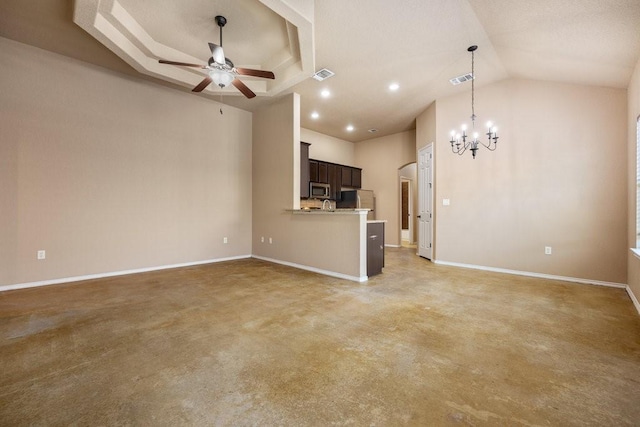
{"points": [[337, 176], [304, 169], [346, 176], [323, 173]]}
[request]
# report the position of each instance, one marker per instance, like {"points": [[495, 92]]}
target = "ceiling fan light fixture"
{"points": [[221, 78]]}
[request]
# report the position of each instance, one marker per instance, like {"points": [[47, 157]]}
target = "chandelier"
{"points": [[461, 142]]}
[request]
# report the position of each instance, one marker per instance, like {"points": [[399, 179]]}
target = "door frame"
{"points": [[410, 183]]}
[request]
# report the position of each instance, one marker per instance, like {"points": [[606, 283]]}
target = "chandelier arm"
{"points": [[461, 150], [488, 146]]}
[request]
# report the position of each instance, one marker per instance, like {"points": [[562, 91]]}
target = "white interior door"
{"points": [[425, 201]]}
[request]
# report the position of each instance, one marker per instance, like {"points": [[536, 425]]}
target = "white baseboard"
{"points": [[392, 246], [114, 273], [633, 299], [315, 270], [531, 274]]}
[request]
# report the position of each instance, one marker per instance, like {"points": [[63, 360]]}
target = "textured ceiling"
{"points": [[198, 28], [418, 44]]}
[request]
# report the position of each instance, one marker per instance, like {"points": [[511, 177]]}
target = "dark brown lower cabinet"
{"points": [[375, 248]]}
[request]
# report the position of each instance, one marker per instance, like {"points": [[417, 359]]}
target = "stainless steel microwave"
{"points": [[319, 191]]}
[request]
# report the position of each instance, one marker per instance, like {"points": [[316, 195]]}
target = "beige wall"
{"points": [[557, 179], [633, 103], [328, 242], [380, 160], [426, 127], [108, 173], [328, 148]]}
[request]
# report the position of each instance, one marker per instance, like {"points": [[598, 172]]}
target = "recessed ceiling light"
{"points": [[350, 128], [394, 86], [325, 93], [315, 115]]}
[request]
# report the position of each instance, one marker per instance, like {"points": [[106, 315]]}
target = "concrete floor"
{"points": [[252, 343]]}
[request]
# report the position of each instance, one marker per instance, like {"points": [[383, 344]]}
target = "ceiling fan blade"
{"points": [[204, 83], [243, 88], [217, 53], [255, 73], [184, 64]]}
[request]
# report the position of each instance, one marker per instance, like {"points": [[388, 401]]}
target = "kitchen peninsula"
{"points": [[332, 190], [371, 236]]}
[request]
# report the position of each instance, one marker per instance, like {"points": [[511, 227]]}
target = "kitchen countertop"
{"points": [[344, 211]]}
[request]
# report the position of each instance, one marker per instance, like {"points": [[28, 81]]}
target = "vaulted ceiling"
{"points": [[369, 44]]}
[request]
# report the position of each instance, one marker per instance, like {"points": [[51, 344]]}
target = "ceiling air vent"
{"points": [[323, 74], [461, 79]]}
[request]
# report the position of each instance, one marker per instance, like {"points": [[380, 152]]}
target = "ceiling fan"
{"points": [[221, 70]]}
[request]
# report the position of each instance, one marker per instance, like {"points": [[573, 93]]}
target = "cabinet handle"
{"points": [[373, 236]]}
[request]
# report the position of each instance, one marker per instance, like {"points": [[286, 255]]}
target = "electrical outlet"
{"points": [[262, 239], [270, 240], [42, 254], [446, 202], [225, 240], [547, 250]]}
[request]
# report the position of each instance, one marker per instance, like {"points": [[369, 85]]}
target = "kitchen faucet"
{"points": [[324, 201]]}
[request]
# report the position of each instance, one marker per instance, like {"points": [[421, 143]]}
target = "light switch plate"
{"points": [[446, 202]]}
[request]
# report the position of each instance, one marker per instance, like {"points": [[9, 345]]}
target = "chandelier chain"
{"points": [[473, 92]]}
